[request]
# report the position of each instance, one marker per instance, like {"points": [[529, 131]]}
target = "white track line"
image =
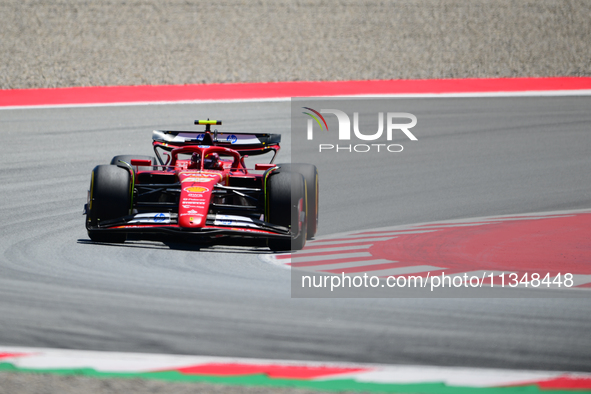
{"points": [[367, 239], [339, 256], [306, 252], [343, 266]]}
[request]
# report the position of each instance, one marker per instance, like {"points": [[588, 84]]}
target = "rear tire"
{"points": [[285, 192], [310, 174], [110, 198]]}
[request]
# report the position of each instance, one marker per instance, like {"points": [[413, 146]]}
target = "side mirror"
{"points": [[141, 163], [264, 167]]}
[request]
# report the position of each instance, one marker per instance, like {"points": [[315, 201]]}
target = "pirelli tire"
{"points": [[109, 198], [310, 174], [286, 205]]}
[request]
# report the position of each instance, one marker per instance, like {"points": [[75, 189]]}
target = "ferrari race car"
{"points": [[197, 186]]}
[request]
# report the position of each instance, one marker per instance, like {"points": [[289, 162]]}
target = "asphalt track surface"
{"points": [[475, 157]]}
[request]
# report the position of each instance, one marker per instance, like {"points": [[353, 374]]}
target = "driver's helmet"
{"points": [[195, 162], [212, 161]]}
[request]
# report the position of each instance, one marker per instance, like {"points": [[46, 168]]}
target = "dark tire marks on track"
{"points": [[475, 157]]}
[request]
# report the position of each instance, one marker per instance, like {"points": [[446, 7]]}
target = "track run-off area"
{"points": [[502, 251], [516, 159]]}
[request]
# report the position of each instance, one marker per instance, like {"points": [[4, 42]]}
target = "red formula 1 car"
{"points": [[198, 187]]}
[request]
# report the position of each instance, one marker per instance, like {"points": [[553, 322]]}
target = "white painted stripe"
{"points": [[312, 252], [394, 232], [270, 259], [450, 225], [528, 218], [307, 251], [455, 377], [340, 266], [488, 221], [101, 361], [582, 279], [435, 227], [350, 240], [142, 103], [330, 257], [534, 93]]}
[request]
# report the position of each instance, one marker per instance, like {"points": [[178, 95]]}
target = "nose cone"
{"points": [[195, 198]]}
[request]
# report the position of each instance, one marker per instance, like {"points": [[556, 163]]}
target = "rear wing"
{"points": [[243, 143], [230, 140]]}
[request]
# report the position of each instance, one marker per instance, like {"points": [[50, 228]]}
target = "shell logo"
{"points": [[196, 189]]}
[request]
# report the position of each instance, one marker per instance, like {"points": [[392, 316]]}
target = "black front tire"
{"points": [[286, 199], [109, 198], [310, 174]]}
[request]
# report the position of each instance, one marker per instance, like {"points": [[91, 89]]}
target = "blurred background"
{"points": [[118, 42]]}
